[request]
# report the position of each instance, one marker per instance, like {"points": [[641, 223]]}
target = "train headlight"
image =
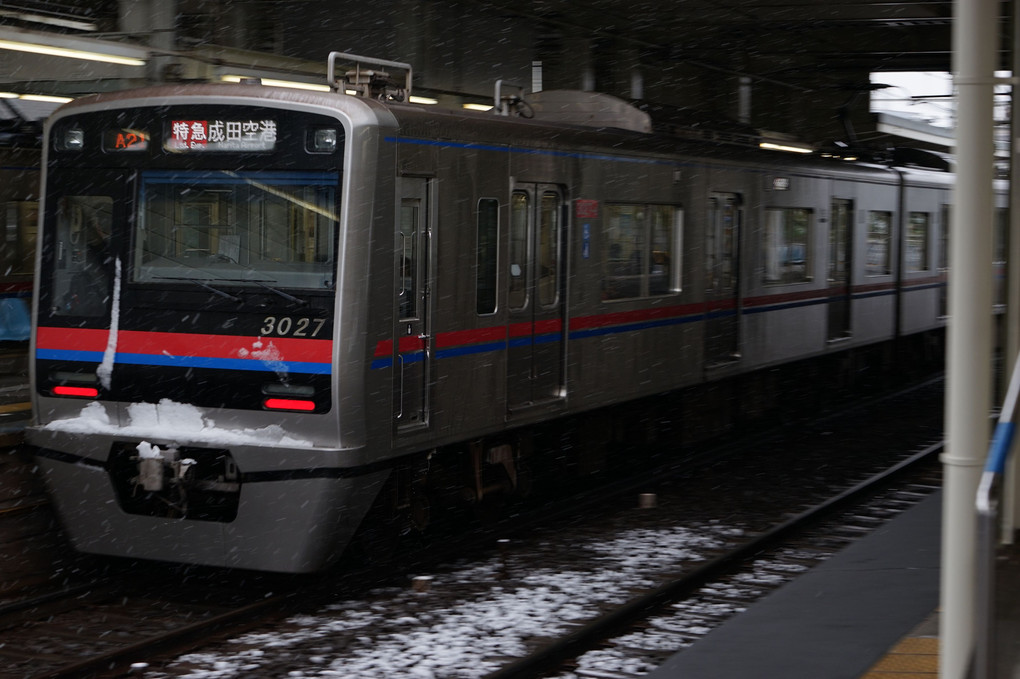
{"points": [[324, 140], [72, 139]]}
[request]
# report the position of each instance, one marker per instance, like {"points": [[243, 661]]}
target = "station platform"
{"points": [[868, 612]]}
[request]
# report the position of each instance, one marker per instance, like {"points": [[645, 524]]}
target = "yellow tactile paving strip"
{"points": [[15, 407], [912, 658]]}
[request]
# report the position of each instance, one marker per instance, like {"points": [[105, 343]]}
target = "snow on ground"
{"points": [[397, 633]]}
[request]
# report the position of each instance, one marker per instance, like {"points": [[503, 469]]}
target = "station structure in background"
{"points": [[796, 71]]}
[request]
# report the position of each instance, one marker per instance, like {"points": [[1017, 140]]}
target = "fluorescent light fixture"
{"points": [[49, 98], [789, 148], [54, 51], [46, 98], [422, 100], [272, 82], [76, 24], [478, 107]]}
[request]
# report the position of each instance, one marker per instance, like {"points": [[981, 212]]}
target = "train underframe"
{"points": [[476, 480]]}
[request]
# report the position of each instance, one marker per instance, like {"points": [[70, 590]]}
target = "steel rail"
{"points": [[118, 660], [584, 637]]}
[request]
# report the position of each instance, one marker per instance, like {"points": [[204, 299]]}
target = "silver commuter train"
{"points": [[256, 307]]}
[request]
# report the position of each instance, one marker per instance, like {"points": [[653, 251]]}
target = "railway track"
{"points": [[543, 589], [633, 639], [100, 628]]}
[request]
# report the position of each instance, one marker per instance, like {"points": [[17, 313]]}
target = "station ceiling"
{"points": [[804, 44], [794, 41], [789, 40]]}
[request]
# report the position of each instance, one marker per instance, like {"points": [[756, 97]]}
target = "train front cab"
{"points": [[201, 400]]}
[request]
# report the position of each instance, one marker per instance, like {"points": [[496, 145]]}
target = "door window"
{"points": [[519, 219], [549, 250], [407, 291]]}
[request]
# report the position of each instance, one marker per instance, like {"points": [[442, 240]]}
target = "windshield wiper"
{"points": [[201, 284], [286, 295], [262, 284]]}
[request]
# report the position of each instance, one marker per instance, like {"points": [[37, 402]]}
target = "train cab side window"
{"points": [[918, 231], [879, 230], [640, 251], [787, 246], [81, 280], [486, 250]]}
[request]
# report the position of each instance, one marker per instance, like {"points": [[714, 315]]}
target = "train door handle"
{"points": [[425, 347]]}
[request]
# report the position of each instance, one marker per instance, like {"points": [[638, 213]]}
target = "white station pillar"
{"points": [[968, 369], [1011, 483]]}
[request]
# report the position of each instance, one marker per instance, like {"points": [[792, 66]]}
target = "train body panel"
{"points": [[364, 283], [264, 533]]}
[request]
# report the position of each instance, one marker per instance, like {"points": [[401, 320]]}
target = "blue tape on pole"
{"points": [[998, 452]]}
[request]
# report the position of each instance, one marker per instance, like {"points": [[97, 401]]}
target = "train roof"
{"points": [[361, 110], [580, 120]]}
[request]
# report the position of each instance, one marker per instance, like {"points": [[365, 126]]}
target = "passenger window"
{"points": [[877, 257], [486, 251], [787, 245], [641, 244], [917, 241]]}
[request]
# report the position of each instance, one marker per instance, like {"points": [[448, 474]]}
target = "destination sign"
{"points": [[124, 139], [221, 135]]}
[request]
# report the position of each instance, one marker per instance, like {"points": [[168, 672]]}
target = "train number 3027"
{"points": [[285, 326]]}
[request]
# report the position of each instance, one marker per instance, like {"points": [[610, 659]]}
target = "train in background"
{"points": [[261, 312], [20, 154]]}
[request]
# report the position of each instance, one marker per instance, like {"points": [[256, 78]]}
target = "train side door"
{"points": [[722, 284], [841, 241], [412, 339], [535, 298]]}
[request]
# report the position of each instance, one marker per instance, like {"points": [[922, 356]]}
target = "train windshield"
{"points": [[241, 228]]}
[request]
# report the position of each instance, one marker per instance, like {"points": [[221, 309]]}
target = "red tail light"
{"points": [[80, 392], [289, 404]]}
